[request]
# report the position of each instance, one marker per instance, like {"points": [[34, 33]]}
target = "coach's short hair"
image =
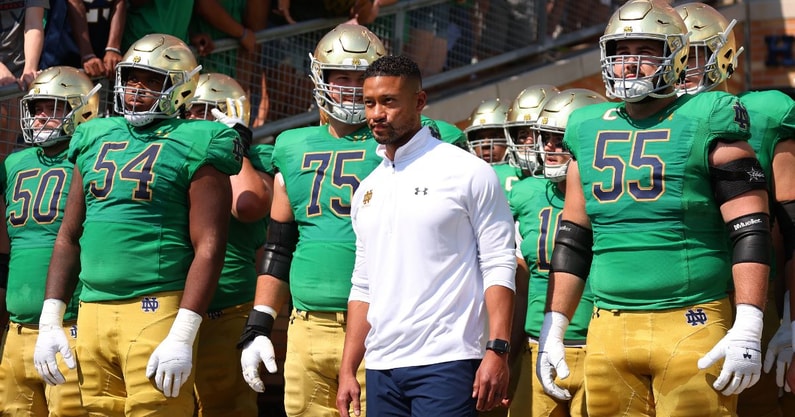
{"points": [[394, 66]]}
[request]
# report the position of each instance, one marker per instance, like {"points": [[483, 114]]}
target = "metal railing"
{"points": [[452, 40]]}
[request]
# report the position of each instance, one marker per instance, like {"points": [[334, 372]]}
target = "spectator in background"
{"points": [[98, 27], [360, 12], [427, 42], [22, 37], [145, 17]]}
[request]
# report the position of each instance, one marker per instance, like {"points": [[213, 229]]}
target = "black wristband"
{"points": [[258, 324], [246, 136]]}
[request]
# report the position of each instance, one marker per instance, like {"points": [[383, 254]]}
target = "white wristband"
{"points": [[555, 325], [748, 321], [186, 326], [52, 312], [262, 308]]}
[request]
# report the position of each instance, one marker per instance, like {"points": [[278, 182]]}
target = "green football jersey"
{"points": [[35, 187], [508, 176], [239, 276], [536, 205], [659, 239], [321, 173], [772, 116], [136, 238], [447, 132]]}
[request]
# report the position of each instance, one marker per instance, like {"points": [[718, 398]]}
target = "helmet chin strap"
{"points": [[139, 119], [633, 90]]}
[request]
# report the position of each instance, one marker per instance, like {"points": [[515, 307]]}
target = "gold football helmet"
{"points": [[161, 54], [712, 42], [213, 91], [346, 47], [551, 126], [485, 131], [651, 20], [521, 115], [74, 102]]}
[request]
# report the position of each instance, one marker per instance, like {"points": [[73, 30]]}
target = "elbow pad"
{"points": [[4, 257], [737, 177], [279, 247], [750, 236], [785, 214], [573, 250]]}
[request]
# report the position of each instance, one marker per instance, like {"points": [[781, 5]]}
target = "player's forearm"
{"points": [[201, 282], [64, 268], [750, 283], [271, 292], [564, 293]]}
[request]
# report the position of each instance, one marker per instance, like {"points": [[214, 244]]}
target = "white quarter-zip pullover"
{"points": [[433, 231]]}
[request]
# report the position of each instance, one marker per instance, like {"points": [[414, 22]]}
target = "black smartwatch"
{"points": [[499, 346]]}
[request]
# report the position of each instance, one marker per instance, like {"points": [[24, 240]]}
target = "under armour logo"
{"points": [[694, 318], [215, 314], [747, 355], [418, 190], [73, 331], [149, 304]]}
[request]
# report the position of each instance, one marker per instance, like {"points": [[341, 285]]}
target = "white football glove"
{"points": [[234, 113], [259, 350], [741, 348], [172, 360], [50, 341], [552, 355], [779, 350]]}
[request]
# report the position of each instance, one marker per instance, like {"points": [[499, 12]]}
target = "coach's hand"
{"points": [[172, 360], [552, 355], [741, 348], [52, 340], [259, 350]]}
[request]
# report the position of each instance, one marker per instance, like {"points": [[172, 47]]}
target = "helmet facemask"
{"points": [[164, 105], [523, 148], [711, 61], [347, 47], [347, 107], [493, 149], [630, 84], [553, 139], [643, 22], [68, 96]]}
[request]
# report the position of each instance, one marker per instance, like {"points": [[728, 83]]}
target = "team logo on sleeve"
{"points": [[694, 318], [741, 116], [149, 304]]}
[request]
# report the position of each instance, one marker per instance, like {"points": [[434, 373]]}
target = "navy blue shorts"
{"points": [[443, 389]]}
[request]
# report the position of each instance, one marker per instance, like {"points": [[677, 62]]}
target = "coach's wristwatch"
{"points": [[499, 346]]}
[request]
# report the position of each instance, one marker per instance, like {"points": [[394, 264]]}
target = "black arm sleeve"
{"points": [[573, 250], [279, 247]]}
